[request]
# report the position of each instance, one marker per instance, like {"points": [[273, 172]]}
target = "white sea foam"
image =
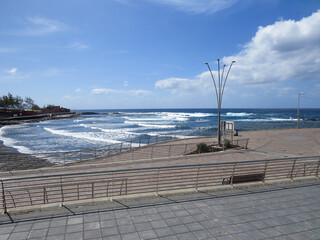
{"points": [[148, 125], [242, 114], [267, 120], [186, 115], [91, 136], [10, 142]]}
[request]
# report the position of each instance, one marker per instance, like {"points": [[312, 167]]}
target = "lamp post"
{"points": [[298, 109], [219, 88]]}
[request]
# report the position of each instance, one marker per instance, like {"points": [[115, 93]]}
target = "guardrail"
{"points": [[72, 156], [176, 150], [63, 188], [163, 150]]}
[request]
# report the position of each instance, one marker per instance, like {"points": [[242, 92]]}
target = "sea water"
{"points": [[107, 127]]}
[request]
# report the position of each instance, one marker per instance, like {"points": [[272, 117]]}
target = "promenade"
{"points": [[283, 210], [288, 211]]}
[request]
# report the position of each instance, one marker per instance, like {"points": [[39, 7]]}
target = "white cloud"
{"points": [[78, 46], [104, 91], [286, 50], [12, 71], [201, 83], [39, 26], [78, 90], [125, 84], [198, 6], [281, 51]]}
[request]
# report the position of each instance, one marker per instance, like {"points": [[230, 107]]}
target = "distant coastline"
{"points": [[36, 118]]}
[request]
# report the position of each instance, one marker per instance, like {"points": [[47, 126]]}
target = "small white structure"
{"points": [[227, 127]]}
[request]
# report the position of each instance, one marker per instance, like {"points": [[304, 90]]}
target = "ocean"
{"points": [[107, 127]]}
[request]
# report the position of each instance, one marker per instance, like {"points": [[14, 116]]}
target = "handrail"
{"points": [[174, 150], [64, 187]]}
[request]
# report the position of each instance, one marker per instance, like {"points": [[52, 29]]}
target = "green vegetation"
{"points": [[11, 102], [227, 143], [203, 148]]}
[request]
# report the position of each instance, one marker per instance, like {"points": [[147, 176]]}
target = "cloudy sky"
{"points": [[111, 54]]}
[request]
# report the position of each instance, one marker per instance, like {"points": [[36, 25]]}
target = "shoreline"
{"points": [[271, 143], [36, 118]]}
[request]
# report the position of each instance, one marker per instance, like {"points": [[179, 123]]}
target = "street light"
{"points": [[219, 91], [298, 113]]}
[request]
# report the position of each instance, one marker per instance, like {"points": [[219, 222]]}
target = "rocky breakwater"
{"points": [[37, 118]]}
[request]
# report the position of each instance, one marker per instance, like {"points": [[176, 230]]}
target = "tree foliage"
{"points": [[11, 102]]}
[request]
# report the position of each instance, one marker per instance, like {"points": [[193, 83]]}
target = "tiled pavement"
{"points": [[281, 212]]}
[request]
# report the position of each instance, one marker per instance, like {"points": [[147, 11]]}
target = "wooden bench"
{"points": [[257, 177]]}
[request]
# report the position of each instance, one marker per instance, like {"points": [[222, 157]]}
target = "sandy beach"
{"points": [[265, 144]]}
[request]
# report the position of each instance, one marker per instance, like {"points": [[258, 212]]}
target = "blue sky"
{"points": [[109, 54]]}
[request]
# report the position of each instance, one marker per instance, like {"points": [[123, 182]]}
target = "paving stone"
{"points": [[126, 229], [203, 234], [187, 236], [56, 230], [74, 236], [116, 237], [19, 235], [87, 218], [179, 229], [22, 227], [132, 236], [58, 222], [143, 226], [139, 219], [75, 220], [74, 228], [55, 237], [111, 231], [91, 226], [40, 225], [92, 234], [158, 224], [36, 233], [149, 234], [4, 236]]}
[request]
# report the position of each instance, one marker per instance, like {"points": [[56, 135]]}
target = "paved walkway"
{"points": [[288, 211]]}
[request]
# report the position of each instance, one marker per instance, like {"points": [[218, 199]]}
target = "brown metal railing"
{"points": [[62, 188], [151, 151]]}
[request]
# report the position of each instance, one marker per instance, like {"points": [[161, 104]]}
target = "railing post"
{"points": [[120, 147], [197, 179], [265, 171], [139, 142], [130, 144], [4, 203], [317, 172], [92, 190], [62, 194], [152, 152], [233, 171], [185, 149], [158, 176], [132, 154], [170, 151], [304, 169], [293, 165]]}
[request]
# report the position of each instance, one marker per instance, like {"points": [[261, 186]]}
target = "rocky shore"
{"points": [[36, 118]]}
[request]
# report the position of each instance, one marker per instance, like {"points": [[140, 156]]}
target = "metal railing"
{"points": [[153, 151], [72, 156], [63, 188], [176, 150]]}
